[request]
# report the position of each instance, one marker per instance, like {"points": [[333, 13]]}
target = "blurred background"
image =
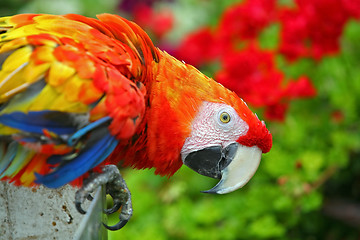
{"points": [[296, 63]]}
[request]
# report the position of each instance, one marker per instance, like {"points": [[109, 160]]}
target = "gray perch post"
{"points": [[42, 213]]}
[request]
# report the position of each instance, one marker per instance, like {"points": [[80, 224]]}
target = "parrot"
{"points": [[81, 96]]}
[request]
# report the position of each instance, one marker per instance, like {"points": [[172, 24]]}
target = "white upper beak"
{"points": [[240, 170]]}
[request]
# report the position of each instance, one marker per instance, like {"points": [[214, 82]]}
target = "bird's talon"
{"points": [[117, 226], [116, 206], [115, 187], [80, 197], [79, 208]]}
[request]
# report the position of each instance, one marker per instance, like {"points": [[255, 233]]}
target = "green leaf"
{"points": [[311, 202], [266, 227]]}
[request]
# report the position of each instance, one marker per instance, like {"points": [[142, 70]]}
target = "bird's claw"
{"points": [[114, 208], [80, 197], [115, 186], [79, 208]]}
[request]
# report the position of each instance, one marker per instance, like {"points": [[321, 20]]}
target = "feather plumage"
{"points": [[77, 92], [58, 69]]}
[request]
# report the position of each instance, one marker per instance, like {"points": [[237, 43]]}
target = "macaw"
{"points": [[80, 95]]}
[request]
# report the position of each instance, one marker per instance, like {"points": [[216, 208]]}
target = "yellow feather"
{"points": [[28, 177], [51, 99], [4, 21], [60, 26], [11, 74], [43, 54], [11, 83], [7, 130], [14, 44], [72, 88], [74, 107], [44, 24], [16, 59], [57, 25], [20, 32], [44, 100], [34, 72], [59, 73]]}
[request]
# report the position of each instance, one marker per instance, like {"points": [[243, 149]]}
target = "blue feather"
{"points": [[81, 132], [74, 138], [90, 157], [35, 122], [55, 159]]}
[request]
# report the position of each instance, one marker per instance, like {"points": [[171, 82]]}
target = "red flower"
{"points": [[246, 20], [352, 7], [293, 34], [198, 47], [241, 22], [157, 22], [252, 74], [142, 14], [314, 27], [301, 88], [162, 22], [276, 112]]}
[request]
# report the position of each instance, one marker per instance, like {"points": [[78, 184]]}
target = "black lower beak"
{"points": [[234, 164], [211, 161]]}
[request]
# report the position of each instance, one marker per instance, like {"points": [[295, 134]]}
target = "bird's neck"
{"points": [[167, 120]]}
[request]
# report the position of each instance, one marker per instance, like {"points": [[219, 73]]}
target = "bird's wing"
{"points": [[71, 87]]}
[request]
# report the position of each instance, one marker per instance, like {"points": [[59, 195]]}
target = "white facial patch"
{"points": [[216, 124]]}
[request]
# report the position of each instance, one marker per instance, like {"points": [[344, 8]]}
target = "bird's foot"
{"points": [[115, 186]]}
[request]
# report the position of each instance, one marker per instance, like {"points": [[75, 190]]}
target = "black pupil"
{"points": [[225, 117]]}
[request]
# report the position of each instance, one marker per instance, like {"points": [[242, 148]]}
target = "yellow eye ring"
{"points": [[225, 117]]}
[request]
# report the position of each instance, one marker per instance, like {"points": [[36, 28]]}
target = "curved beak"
{"points": [[234, 164]]}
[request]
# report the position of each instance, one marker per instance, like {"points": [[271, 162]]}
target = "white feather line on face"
{"points": [[208, 130]]}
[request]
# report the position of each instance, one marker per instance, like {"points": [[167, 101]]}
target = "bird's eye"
{"points": [[225, 117]]}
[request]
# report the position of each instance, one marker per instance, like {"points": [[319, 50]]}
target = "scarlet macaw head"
{"points": [[215, 132], [223, 145]]}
